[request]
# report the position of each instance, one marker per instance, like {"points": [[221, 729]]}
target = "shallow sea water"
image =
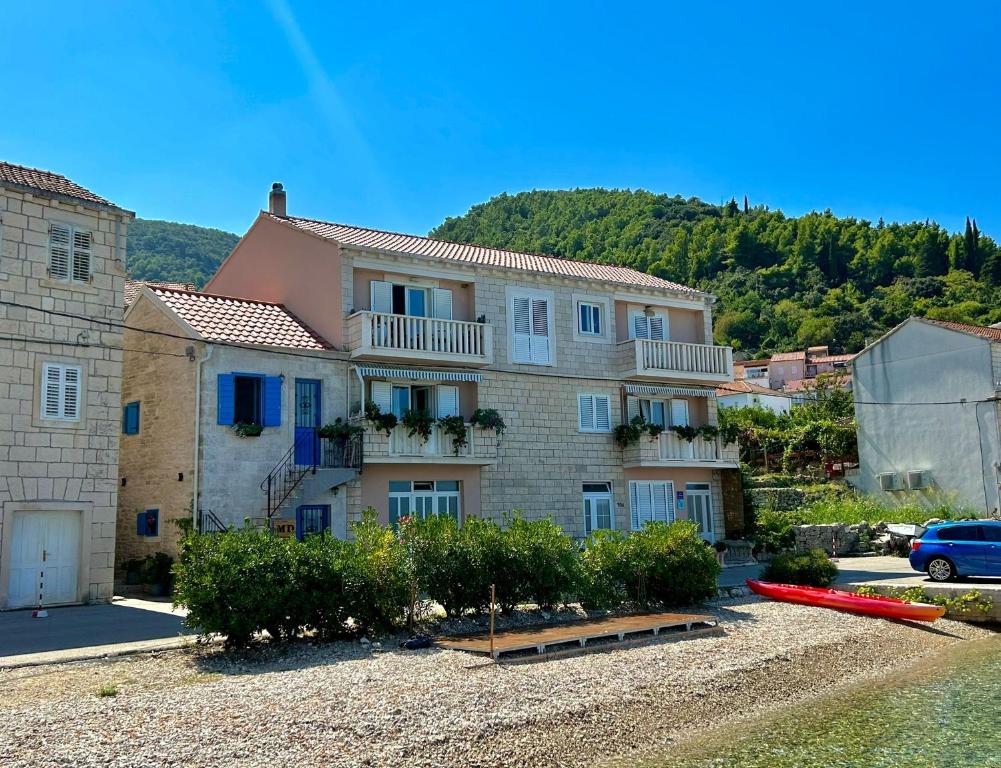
{"points": [[944, 712]]}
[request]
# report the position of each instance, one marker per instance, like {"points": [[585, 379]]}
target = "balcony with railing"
{"points": [[670, 449], [401, 338], [400, 447], [649, 359]]}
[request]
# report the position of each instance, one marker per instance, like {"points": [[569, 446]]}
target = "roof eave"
{"points": [[67, 198]]}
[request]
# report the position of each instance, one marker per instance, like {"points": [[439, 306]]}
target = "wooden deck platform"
{"points": [[553, 639]]}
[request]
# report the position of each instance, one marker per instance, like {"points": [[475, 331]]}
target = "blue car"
{"points": [[968, 548]]}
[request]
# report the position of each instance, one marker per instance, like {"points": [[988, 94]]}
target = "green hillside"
{"points": [[164, 250], [783, 282]]}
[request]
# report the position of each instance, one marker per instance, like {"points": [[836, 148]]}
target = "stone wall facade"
{"points": [[47, 465]]}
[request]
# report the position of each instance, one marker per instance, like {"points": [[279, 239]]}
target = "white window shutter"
{"points": [[540, 332], [659, 493], [81, 255], [669, 492], [448, 400], [382, 296], [585, 412], [441, 304], [640, 328], [521, 319], [658, 327], [59, 251], [634, 505], [51, 390], [71, 392], [382, 395], [679, 413], [632, 407], [602, 413]]}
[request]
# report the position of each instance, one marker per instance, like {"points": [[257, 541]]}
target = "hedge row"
{"points": [[244, 581]]}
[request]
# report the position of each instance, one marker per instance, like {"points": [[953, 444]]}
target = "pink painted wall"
{"points": [[683, 324], [678, 476], [269, 264], [375, 483]]}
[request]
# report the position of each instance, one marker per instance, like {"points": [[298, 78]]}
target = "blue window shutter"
{"points": [[130, 419], [272, 401], [226, 398], [141, 524]]}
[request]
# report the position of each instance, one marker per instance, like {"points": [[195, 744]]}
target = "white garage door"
{"points": [[44, 558]]}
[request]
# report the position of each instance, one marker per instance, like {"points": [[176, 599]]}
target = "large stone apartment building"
{"points": [[563, 351], [62, 270]]}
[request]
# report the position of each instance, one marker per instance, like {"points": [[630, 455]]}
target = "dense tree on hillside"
{"points": [[163, 250], [782, 282]]}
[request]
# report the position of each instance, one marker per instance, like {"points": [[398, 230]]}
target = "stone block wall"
{"points": [[66, 465]]}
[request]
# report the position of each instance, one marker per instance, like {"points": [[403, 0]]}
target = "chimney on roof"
{"points": [[276, 199]]}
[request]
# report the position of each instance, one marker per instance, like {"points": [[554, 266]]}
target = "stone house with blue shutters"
{"points": [[308, 321]]}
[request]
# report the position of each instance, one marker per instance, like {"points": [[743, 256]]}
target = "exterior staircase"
{"points": [[311, 466]]}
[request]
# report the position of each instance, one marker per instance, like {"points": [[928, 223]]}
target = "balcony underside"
{"points": [[656, 374], [683, 463], [384, 355], [467, 460]]}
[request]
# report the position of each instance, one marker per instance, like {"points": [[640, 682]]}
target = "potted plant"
{"points": [[385, 422], [418, 422], [628, 434], [159, 574], [455, 427], [340, 431], [654, 430], [489, 418], [246, 429], [133, 572], [686, 432], [720, 546]]}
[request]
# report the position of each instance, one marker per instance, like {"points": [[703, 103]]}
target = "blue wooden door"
{"points": [[311, 519], [308, 415]]}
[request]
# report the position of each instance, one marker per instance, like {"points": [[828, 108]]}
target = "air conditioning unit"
{"points": [[918, 478], [888, 481]]}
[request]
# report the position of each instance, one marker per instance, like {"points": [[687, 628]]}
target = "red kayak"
{"points": [[887, 607]]}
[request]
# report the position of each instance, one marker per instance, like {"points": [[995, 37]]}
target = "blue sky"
{"points": [[398, 115]]}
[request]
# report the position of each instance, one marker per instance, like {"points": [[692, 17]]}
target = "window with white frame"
{"points": [[648, 325], [531, 318], [437, 401], [664, 413], [69, 252], [413, 300], [650, 501], [60, 395], [597, 507], [422, 498], [594, 413], [589, 321]]}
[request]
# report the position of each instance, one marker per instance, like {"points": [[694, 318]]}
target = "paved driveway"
{"points": [[88, 630], [853, 570]]}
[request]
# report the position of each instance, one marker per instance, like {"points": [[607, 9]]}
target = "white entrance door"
{"points": [[44, 558], [700, 509], [597, 507]]}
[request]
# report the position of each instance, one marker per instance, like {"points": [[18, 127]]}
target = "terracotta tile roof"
{"points": [[132, 287], [744, 387], [750, 363], [781, 357], [478, 254], [46, 181], [987, 332], [838, 378], [832, 358], [241, 321]]}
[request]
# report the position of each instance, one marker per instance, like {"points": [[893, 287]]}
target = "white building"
{"points": [[928, 418], [744, 394]]}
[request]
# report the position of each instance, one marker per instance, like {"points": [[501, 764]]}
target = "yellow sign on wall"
{"points": [[284, 528]]}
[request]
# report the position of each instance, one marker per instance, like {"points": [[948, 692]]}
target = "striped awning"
{"points": [[643, 389], [419, 374]]}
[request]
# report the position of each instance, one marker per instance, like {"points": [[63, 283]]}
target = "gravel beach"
{"points": [[344, 704]]}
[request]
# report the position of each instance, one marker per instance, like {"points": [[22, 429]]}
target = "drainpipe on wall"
{"points": [[198, 432]]}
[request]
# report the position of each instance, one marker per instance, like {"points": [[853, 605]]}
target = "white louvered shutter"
{"points": [[382, 296], [81, 255], [658, 327], [59, 251], [71, 392], [632, 407], [540, 332], [441, 304], [51, 391], [660, 498], [641, 503], [585, 412], [521, 310], [448, 400], [382, 395], [602, 413], [640, 327], [679, 413]]}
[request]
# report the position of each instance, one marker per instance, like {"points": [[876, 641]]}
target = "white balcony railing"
{"points": [[382, 333], [672, 447], [680, 356], [438, 444], [399, 446]]}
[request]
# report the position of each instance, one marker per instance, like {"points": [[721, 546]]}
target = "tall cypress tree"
{"points": [[977, 255], [970, 247], [746, 206]]}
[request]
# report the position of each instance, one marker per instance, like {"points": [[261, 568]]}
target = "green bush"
{"points": [[236, 583], [543, 563], [856, 509], [773, 530], [662, 564], [377, 574], [812, 569], [448, 561]]}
